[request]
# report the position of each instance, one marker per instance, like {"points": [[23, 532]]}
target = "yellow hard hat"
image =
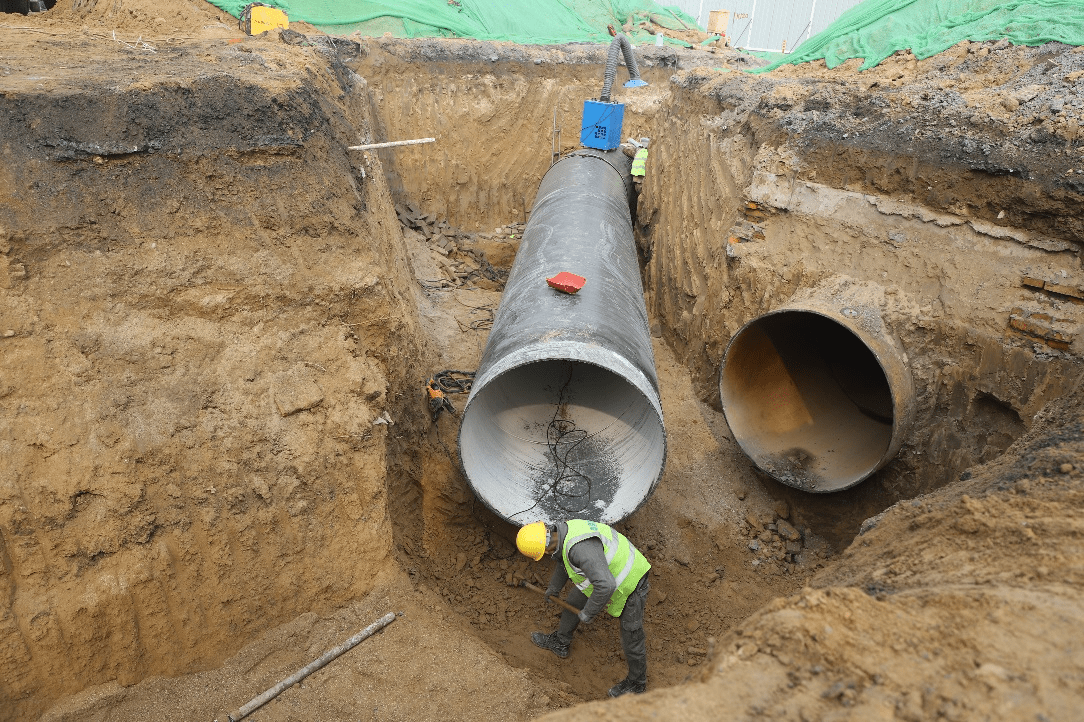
{"points": [[532, 540]]}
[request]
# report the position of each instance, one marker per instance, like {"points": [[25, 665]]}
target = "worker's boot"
{"points": [[625, 686], [550, 642]]}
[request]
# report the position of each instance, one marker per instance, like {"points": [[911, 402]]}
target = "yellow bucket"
{"points": [[259, 19]]}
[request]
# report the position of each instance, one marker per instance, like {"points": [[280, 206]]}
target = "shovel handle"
{"points": [[555, 600]]}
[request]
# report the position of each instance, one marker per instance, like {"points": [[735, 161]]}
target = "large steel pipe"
{"points": [[818, 393], [564, 418]]}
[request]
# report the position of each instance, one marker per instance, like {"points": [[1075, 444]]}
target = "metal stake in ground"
{"points": [[301, 674]]}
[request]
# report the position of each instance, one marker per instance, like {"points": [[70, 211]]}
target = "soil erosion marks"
{"points": [[201, 289]]}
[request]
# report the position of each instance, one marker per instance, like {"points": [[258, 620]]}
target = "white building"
{"points": [[768, 24]]}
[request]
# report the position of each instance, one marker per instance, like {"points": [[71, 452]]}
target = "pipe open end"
{"points": [[559, 439], [810, 402]]}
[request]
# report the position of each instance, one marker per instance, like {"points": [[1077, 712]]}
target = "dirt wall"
{"points": [[513, 97], [958, 220], [201, 323]]}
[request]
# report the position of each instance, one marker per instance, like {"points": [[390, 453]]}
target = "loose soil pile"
{"points": [[218, 462]]}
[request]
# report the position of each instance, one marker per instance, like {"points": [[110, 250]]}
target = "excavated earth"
{"points": [[216, 460]]}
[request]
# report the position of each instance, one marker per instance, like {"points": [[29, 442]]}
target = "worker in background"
{"points": [[639, 161], [619, 586]]}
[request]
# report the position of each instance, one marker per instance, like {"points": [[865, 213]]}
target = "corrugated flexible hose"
{"points": [[619, 41]]}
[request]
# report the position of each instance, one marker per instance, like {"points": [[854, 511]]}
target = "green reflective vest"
{"points": [[639, 162], [626, 562]]}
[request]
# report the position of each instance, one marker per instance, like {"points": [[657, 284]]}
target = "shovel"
{"points": [[555, 600]]}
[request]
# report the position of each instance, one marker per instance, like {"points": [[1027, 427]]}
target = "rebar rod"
{"points": [[391, 144], [247, 709]]}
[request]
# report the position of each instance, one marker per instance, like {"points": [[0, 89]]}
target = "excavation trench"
{"points": [[219, 459], [734, 236]]}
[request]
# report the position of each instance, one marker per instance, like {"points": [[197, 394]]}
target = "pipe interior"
{"points": [[557, 439], [807, 400]]}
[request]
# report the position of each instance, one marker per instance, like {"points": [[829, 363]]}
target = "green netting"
{"points": [[876, 29], [519, 21]]}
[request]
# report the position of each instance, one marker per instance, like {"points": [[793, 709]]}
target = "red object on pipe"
{"points": [[566, 282]]}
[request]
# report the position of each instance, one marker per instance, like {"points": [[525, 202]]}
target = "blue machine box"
{"points": [[602, 123]]}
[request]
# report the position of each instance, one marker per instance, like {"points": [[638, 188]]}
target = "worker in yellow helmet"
{"points": [[608, 573], [637, 149]]}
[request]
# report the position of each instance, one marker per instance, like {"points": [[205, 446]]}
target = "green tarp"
{"points": [[518, 21], [876, 29]]}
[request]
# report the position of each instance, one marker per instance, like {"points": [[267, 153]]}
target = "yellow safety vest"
{"points": [[639, 162], [626, 562]]}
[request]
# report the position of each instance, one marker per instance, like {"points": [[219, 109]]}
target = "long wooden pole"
{"points": [[242, 712], [391, 144]]}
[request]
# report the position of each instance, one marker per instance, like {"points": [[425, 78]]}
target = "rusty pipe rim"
{"points": [[818, 394]]}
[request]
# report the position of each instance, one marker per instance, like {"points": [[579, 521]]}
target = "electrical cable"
{"points": [[557, 433], [478, 324], [454, 382]]}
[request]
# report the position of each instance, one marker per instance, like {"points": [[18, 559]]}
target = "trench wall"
{"points": [[946, 251], [493, 110], [202, 318]]}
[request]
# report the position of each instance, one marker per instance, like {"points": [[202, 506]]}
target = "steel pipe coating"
{"points": [[564, 418], [818, 393]]}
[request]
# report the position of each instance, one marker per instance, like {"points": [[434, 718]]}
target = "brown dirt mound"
{"points": [[214, 314]]}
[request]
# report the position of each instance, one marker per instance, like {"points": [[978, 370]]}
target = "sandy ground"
{"points": [[215, 309]]}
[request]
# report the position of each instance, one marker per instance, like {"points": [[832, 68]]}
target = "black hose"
{"points": [[611, 65]]}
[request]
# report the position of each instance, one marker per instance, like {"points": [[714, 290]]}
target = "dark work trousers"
{"points": [[633, 639]]}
